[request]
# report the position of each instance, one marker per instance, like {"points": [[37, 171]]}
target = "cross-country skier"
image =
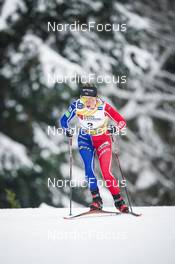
{"points": [[93, 114]]}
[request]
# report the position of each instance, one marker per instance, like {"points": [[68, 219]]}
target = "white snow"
{"points": [[143, 59], [53, 64], [146, 179], [134, 20], [42, 236], [13, 155], [45, 143], [8, 9]]}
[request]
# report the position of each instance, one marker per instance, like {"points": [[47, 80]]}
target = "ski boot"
{"points": [[97, 203], [120, 204]]}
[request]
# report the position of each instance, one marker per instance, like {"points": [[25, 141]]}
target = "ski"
{"points": [[92, 212], [98, 212]]}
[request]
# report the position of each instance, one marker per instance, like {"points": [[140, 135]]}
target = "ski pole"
{"points": [[70, 175], [123, 177]]}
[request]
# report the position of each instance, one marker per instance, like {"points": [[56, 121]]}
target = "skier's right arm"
{"points": [[66, 118]]}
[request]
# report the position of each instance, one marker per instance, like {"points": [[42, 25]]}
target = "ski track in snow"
{"points": [[35, 236]]}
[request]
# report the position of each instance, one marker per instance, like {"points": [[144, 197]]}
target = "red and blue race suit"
{"points": [[94, 138]]}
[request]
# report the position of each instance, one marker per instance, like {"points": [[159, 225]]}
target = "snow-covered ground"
{"points": [[39, 236]]}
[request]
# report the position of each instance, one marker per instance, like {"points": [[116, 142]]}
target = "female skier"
{"points": [[93, 114]]}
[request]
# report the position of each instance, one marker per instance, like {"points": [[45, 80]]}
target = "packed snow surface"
{"points": [[39, 236]]}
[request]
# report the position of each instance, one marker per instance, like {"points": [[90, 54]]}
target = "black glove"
{"points": [[112, 129], [69, 132]]}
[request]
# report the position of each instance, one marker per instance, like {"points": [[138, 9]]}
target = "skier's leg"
{"points": [[103, 146], [87, 153], [88, 160]]}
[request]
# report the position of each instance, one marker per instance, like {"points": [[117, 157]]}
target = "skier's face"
{"points": [[89, 101]]}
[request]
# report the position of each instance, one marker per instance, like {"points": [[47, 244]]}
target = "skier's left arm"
{"points": [[112, 113]]}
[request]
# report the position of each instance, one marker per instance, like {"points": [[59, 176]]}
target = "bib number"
{"points": [[90, 125]]}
